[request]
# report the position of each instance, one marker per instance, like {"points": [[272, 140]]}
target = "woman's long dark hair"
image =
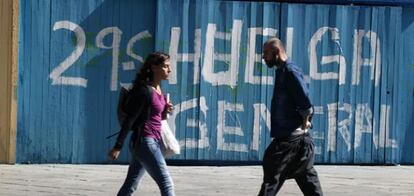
{"points": [[145, 75]]}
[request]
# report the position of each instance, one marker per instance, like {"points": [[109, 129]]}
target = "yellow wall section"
{"points": [[8, 79]]}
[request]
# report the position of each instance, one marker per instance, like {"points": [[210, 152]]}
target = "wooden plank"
{"points": [[8, 77], [5, 57], [13, 89], [5, 13]]}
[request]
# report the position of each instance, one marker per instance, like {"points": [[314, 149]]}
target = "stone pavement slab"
{"points": [[61, 179]]}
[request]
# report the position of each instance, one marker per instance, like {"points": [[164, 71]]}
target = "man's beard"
{"points": [[274, 63], [271, 63]]}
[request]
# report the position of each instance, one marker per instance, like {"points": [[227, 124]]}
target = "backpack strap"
{"points": [[137, 133], [134, 118]]}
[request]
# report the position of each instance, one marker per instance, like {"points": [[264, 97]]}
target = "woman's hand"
{"points": [[169, 108], [113, 154]]}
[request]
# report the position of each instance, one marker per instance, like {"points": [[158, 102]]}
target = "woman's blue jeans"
{"points": [[147, 156]]}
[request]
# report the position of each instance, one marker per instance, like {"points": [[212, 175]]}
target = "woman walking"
{"points": [[146, 108]]}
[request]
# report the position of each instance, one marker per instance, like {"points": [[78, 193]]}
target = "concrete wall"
{"points": [[8, 79]]}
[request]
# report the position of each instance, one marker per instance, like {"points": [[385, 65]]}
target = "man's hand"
{"points": [[306, 125], [113, 154]]}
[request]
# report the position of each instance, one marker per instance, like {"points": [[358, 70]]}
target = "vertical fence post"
{"points": [[8, 79]]}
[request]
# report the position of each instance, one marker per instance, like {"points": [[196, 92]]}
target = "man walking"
{"points": [[291, 153]]}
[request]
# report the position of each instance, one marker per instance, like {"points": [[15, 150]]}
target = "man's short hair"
{"points": [[275, 42]]}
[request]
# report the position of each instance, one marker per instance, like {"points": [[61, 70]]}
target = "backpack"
{"points": [[124, 97]]}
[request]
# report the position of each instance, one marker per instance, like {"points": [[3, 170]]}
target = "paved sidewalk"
{"points": [[192, 181]]}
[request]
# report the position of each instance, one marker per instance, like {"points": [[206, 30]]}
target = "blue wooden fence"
{"points": [[74, 56]]}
